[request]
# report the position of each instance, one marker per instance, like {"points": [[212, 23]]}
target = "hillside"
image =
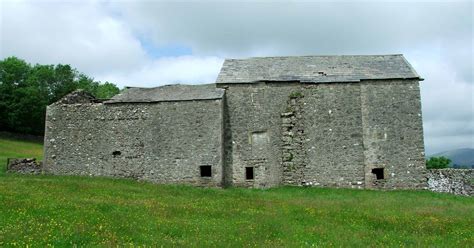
{"points": [[64, 211], [463, 156]]}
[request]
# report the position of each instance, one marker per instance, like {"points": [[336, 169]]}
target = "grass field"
{"points": [[63, 211]]}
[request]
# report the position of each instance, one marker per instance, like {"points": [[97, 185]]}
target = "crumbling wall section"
{"points": [[454, 181], [293, 138]]}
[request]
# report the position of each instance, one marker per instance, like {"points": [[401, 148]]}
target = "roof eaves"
{"points": [[392, 78], [157, 101], [411, 68]]}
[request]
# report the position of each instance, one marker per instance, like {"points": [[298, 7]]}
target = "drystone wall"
{"points": [[164, 142], [454, 181]]}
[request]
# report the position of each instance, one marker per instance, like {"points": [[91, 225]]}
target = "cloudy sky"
{"points": [[151, 43]]}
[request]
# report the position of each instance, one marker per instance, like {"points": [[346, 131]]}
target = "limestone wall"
{"points": [[253, 132], [334, 135], [393, 133], [454, 181], [325, 134], [163, 142]]}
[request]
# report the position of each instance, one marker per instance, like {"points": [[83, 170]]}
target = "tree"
{"points": [[106, 90], [438, 163], [13, 74], [26, 90]]}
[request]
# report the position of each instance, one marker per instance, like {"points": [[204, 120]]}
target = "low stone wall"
{"points": [[24, 166], [454, 181]]}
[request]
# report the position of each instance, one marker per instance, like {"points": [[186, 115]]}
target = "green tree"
{"points": [[13, 74], [106, 90], [438, 163], [26, 90]]}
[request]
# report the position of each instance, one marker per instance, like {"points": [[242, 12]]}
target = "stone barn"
{"points": [[333, 121]]}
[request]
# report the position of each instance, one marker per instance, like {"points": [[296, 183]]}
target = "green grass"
{"points": [[62, 211]]}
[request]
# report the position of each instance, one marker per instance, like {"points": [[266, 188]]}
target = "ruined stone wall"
{"points": [[24, 166], [164, 142], [454, 181], [393, 133]]}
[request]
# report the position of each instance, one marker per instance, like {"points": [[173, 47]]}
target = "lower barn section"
{"points": [[162, 142]]}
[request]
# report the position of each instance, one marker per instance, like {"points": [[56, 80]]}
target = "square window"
{"points": [[249, 173], [206, 170], [378, 172]]}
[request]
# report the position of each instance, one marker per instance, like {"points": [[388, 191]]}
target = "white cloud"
{"points": [[289, 28], [168, 70], [76, 33]]}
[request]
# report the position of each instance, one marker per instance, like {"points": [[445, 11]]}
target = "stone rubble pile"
{"points": [[25, 166], [78, 96]]}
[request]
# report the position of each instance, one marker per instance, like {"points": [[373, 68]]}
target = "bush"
{"points": [[438, 163]]}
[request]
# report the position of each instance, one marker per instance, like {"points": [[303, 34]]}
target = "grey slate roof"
{"points": [[316, 69], [176, 92]]}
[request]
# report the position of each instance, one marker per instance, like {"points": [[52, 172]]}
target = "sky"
{"points": [[152, 43]]}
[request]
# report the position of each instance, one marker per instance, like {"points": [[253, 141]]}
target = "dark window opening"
{"points": [[378, 173], [249, 173], [116, 153], [206, 171]]}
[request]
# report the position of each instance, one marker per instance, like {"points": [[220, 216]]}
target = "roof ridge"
{"points": [[308, 56], [167, 85]]}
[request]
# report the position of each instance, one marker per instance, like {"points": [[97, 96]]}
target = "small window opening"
{"points": [[378, 173], [249, 173], [116, 153], [206, 171]]}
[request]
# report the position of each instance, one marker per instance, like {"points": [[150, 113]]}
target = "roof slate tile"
{"points": [[316, 69], [176, 92]]}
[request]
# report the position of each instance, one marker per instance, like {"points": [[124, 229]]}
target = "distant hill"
{"points": [[459, 157]]}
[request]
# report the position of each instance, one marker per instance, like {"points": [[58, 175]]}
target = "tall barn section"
{"points": [[338, 121], [334, 121]]}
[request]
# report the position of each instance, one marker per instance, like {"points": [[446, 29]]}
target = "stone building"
{"points": [[335, 121]]}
